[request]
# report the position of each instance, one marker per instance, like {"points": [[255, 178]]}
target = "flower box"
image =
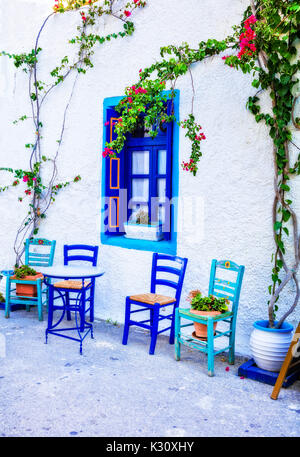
{"points": [[147, 232]]}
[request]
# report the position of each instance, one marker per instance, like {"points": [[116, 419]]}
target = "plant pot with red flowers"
{"points": [[27, 274], [206, 306]]}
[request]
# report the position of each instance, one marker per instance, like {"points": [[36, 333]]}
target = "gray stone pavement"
{"points": [[115, 390]]}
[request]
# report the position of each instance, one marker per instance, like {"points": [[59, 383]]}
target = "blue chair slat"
{"points": [[219, 288], [70, 255], [80, 247], [162, 301], [21, 299]]}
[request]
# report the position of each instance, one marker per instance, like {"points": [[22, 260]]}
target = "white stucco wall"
{"points": [[235, 180]]}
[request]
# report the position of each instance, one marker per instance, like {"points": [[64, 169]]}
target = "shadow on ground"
{"points": [[115, 390]]}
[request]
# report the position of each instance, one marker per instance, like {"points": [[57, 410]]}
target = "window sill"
{"points": [[163, 246]]}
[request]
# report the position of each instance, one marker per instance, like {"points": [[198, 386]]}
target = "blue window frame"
{"points": [[140, 176]]}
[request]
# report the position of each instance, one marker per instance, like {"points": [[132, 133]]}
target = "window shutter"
{"points": [[115, 193]]}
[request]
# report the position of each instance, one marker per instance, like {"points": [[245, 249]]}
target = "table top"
{"points": [[71, 272]]}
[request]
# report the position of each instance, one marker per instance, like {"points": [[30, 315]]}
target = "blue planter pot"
{"points": [[269, 346]]}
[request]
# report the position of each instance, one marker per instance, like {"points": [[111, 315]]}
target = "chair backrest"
{"points": [[224, 288], [70, 255], [33, 258], [175, 266]]}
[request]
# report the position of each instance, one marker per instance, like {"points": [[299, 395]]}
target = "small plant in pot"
{"points": [[205, 306], [26, 273]]}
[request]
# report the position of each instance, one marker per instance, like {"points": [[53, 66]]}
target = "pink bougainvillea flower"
{"points": [[106, 123], [33, 179], [25, 178], [127, 13], [227, 369], [242, 377]]}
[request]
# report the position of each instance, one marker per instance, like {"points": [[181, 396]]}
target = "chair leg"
{"points": [[210, 347], [231, 355], [127, 319], [177, 332], [154, 328], [172, 332], [68, 304], [40, 302]]}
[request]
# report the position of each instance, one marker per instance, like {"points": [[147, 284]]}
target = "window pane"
{"points": [[140, 162], [161, 189], [162, 162], [140, 189]]}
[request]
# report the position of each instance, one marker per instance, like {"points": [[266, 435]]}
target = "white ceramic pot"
{"points": [[269, 346]]}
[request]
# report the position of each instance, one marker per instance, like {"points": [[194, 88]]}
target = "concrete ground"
{"points": [[113, 390]]}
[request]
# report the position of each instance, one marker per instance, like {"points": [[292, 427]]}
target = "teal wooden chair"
{"points": [[33, 258], [219, 288], [11, 298]]}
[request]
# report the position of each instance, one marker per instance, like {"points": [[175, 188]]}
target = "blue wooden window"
{"points": [[146, 169]]}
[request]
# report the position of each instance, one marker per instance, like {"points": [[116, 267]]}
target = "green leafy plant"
{"points": [[23, 271], [209, 303]]}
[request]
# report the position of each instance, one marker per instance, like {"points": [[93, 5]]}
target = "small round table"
{"points": [[77, 279]]}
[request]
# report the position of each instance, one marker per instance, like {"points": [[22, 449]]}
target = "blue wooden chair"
{"points": [[219, 288], [154, 302], [71, 254], [34, 258]]}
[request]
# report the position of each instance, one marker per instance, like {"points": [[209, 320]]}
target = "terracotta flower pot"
{"points": [[27, 290], [201, 329]]}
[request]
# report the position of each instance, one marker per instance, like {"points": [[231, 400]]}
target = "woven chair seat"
{"points": [[71, 284], [150, 299]]}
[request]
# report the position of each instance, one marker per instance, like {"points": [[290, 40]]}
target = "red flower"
{"points": [[227, 369], [127, 13], [41, 242], [106, 123]]}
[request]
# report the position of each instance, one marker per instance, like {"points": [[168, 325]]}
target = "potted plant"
{"points": [[205, 306], [26, 273], [139, 227], [2, 301]]}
